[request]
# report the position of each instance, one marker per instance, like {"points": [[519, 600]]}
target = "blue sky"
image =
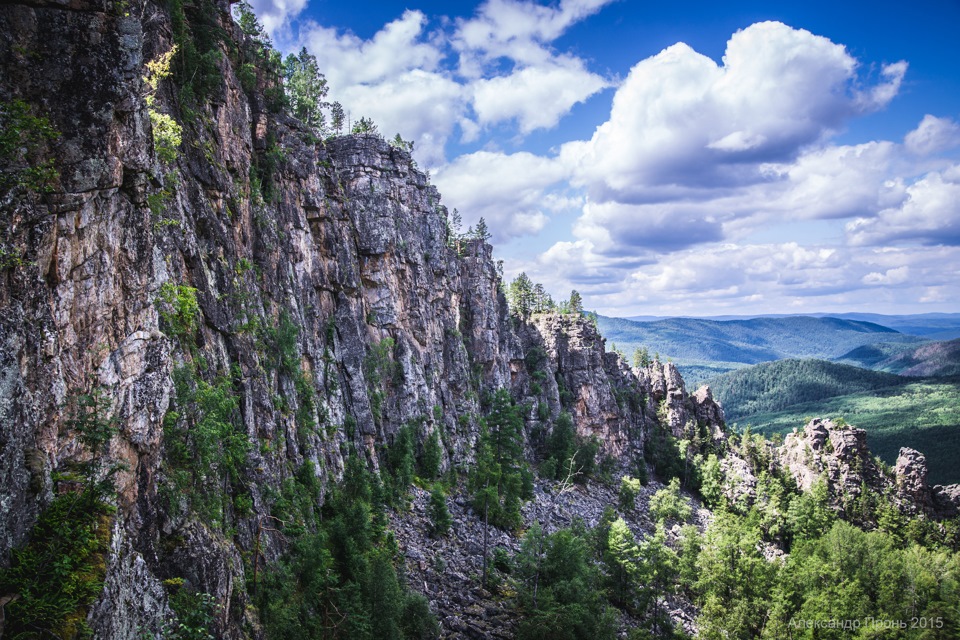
{"points": [[675, 159]]}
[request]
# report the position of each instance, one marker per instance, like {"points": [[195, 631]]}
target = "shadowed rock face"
{"points": [[344, 240]]}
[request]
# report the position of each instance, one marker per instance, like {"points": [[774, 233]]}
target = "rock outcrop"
{"points": [[837, 454], [684, 413], [840, 456], [312, 282]]}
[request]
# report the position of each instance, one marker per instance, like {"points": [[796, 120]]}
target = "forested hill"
{"points": [[773, 386], [748, 341], [932, 359]]}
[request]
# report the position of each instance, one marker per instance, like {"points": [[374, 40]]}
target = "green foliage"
{"points": [[774, 386], [711, 481], [520, 295], [197, 35], [167, 132], [561, 446], [575, 303], [196, 612], [809, 514], [564, 446], [629, 489], [365, 125], [500, 480], [400, 462], [848, 574], [440, 520], [341, 582], [432, 456], [306, 88], [380, 372], [178, 309], [663, 452], [205, 443], [560, 595], [59, 573], [734, 580], [641, 358], [922, 414], [24, 138]]}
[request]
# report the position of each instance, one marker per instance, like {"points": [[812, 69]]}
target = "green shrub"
{"points": [[178, 309], [440, 520], [23, 139], [167, 136], [668, 504], [629, 489]]}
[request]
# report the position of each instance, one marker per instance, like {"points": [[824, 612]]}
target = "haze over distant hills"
{"points": [[892, 375], [704, 347]]}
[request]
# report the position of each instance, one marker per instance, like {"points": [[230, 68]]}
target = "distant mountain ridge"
{"points": [[931, 359], [937, 326], [748, 341]]}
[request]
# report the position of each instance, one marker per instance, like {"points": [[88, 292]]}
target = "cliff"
{"points": [[243, 309]]}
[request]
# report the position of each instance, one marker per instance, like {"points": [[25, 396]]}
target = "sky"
{"points": [[697, 158]]}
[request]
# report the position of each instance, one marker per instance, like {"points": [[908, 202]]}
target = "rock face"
{"points": [[840, 456], [837, 454], [331, 305], [684, 413]]}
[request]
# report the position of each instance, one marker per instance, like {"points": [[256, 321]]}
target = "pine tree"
{"points": [[307, 88], [621, 558], [482, 233], [575, 304], [521, 295], [432, 455], [337, 117], [440, 520]]}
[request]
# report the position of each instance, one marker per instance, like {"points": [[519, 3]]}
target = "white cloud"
{"points": [[754, 278], [890, 277], [275, 15], [348, 60], [929, 214], [932, 135], [680, 119], [509, 191], [537, 97], [420, 105], [516, 30]]}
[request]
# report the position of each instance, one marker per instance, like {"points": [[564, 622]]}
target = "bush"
{"points": [[178, 309], [440, 520], [629, 489], [669, 504], [167, 136]]}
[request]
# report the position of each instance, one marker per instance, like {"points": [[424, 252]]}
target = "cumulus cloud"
{"points": [[933, 135], [538, 96], [394, 78], [680, 119], [348, 60], [420, 105], [929, 214], [509, 190], [516, 30], [754, 278], [275, 15], [402, 77]]}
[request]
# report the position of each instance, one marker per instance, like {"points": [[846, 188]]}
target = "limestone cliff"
{"points": [[303, 292]]}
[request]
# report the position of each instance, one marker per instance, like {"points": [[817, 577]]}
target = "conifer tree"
{"points": [[521, 295], [307, 88], [440, 520]]}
